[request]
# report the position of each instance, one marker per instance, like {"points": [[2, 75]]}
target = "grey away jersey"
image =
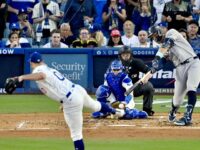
{"points": [[181, 50]]}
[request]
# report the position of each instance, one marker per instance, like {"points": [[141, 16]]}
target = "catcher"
{"points": [[113, 92]]}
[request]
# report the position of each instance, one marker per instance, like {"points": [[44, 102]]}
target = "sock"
{"points": [[192, 98], [106, 109], [174, 108], [79, 145]]}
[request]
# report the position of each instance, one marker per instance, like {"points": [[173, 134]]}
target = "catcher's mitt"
{"points": [[11, 85]]}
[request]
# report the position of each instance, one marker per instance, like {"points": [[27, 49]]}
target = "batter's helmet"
{"points": [[157, 33]]}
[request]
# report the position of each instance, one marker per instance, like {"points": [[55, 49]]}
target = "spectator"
{"points": [[177, 13], [98, 35], [129, 39], [55, 40], [14, 41], [84, 40], [115, 39], [159, 6], [25, 26], [15, 5], [129, 7], [100, 38], [184, 33], [114, 15], [99, 7], [2, 16], [194, 38], [144, 41], [79, 13], [67, 36], [46, 16], [195, 9], [144, 16]]}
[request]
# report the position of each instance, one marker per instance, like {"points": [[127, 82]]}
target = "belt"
{"points": [[188, 60], [68, 93]]}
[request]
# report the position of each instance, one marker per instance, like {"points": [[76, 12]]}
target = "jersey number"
{"points": [[59, 76]]}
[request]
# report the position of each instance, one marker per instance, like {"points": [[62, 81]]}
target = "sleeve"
{"points": [[35, 12], [172, 34], [127, 83], [141, 66], [57, 10], [38, 69]]}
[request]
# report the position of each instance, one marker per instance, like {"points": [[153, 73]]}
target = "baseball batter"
{"points": [[73, 97], [179, 51]]}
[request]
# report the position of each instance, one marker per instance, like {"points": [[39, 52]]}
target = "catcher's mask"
{"points": [[116, 65], [156, 33], [125, 50]]}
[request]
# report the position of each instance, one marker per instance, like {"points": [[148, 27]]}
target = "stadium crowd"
{"points": [[94, 23]]}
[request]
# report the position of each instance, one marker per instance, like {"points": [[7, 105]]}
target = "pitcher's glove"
{"points": [[11, 85]]}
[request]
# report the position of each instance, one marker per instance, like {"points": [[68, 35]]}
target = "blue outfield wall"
{"points": [[82, 66]]}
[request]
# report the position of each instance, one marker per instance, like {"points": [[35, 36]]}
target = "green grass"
{"points": [[96, 144], [27, 104], [42, 104]]}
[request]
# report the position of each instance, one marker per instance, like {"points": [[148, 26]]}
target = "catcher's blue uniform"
{"points": [[115, 85]]}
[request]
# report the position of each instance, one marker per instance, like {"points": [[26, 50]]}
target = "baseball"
{"points": [[121, 106]]}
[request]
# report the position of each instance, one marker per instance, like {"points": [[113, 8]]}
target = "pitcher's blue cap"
{"points": [[35, 57]]}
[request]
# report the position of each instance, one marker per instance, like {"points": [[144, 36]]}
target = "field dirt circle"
{"points": [[53, 125]]}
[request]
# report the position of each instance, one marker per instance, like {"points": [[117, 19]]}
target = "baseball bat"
{"points": [[146, 76]]}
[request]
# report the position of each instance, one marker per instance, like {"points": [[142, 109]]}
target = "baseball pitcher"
{"points": [[73, 97]]}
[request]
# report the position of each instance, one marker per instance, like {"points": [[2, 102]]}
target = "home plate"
{"points": [[121, 125]]}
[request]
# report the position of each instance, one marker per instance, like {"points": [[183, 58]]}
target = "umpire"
{"points": [[132, 67]]}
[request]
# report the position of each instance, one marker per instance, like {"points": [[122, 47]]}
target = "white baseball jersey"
{"points": [[55, 85]]}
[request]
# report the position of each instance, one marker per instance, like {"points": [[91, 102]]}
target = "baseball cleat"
{"points": [[172, 117], [183, 122]]}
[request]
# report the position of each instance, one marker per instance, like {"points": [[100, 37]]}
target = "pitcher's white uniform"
{"points": [[187, 74], [73, 97]]}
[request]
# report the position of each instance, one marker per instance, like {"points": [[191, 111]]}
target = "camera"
{"points": [[23, 17]]}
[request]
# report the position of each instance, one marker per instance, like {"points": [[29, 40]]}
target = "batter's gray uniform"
{"points": [[187, 66], [187, 76]]}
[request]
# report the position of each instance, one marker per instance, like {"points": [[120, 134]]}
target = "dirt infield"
{"points": [[53, 125]]}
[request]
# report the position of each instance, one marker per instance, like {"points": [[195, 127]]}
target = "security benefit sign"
{"points": [[73, 66]]}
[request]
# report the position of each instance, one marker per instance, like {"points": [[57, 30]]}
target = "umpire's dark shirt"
{"points": [[135, 67]]}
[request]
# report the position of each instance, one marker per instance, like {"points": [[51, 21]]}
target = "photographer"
{"points": [[46, 16], [25, 25]]}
